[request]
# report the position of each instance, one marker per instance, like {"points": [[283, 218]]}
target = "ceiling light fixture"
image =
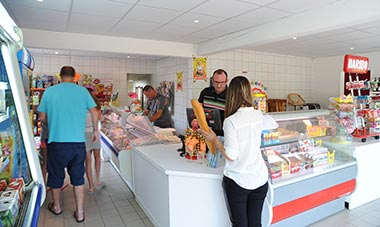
{"points": [[351, 48], [196, 21], [294, 38], [128, 56], [40, 0], [56, 52]]}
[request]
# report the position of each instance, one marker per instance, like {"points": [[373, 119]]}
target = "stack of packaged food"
{"points": [[11, 198]]}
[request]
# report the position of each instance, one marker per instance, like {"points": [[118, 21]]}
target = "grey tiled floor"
{"points": [[367, 215], [114, 206]]}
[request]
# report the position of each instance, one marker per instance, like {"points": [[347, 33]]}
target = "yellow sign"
{"points": [[179, 81], [199, 68]]}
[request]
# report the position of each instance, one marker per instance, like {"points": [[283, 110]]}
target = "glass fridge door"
{"points": [[19, 165]]}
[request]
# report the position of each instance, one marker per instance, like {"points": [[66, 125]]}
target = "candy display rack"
{"points": [[365, 110]]}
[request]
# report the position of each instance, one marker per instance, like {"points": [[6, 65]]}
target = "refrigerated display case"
{"points": [[18, 153], [116, 136], [121, 130], [115, 144], [310, 171]]}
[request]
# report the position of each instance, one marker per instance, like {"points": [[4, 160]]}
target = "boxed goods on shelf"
{"points": [[9, 204], [303, 146]]}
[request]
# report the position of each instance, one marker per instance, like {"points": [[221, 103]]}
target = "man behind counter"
{"points": [[214, 97], [157, 108]]}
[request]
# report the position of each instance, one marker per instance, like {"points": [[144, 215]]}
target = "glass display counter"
{"points": [[304, 143], [125, 128], [116, 137], [310, 169], [120, 131]]}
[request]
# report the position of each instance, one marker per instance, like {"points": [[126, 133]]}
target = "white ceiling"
{"points": [[172, 20]]}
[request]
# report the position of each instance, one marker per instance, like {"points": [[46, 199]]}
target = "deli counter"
{"points": [[311, 168], [120, 131]]}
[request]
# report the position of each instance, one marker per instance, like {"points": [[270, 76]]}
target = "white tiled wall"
{"points": [[281, 74], [99, 67], [166, 70]]}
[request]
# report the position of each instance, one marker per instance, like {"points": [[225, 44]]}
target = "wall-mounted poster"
{"points": [[200, 68], [166, 89], [259, 96], [179, 77]]}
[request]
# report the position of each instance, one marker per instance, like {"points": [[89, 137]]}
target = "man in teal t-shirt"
{"points": [[63, 107]]}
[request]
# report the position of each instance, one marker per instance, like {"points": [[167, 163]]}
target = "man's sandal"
{"points": [[76, 217], [51, 208]]}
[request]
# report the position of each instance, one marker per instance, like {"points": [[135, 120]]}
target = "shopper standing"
{"points": [[157, 108], [93, 149], [63, 107], [214, 97], [245, 180]]}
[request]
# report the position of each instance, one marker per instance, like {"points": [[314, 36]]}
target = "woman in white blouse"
{"points": [[245, 180]]}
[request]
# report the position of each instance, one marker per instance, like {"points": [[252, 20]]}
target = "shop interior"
{"points": [[292, 51]]}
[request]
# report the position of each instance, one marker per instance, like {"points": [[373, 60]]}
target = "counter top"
{"points": [[166, 158]]}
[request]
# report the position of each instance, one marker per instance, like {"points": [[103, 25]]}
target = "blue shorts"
{"points": [[65, 155]]}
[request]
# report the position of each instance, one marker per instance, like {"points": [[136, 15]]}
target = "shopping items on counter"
{"points": [[195, 145], [200, 114]]}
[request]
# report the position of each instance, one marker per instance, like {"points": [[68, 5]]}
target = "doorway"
{"points": [[136, 83]]}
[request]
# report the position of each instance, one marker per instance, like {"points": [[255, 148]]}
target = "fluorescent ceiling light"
{"points": [[196, 21], [294, 38]]}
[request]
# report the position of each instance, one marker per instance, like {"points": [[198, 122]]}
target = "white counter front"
{"points": [[174, 191], [367, 181]]}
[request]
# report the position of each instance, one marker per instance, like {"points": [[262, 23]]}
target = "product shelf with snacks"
{"points": [[38, 85], [311, 172]]}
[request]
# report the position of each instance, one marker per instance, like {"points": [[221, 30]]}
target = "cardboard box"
{"points": [[3, 185], [8, 211], [10, 194], [17, 184]]}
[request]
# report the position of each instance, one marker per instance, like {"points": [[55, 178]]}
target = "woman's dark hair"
{"points": [[238, 95], [67, 71]]}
